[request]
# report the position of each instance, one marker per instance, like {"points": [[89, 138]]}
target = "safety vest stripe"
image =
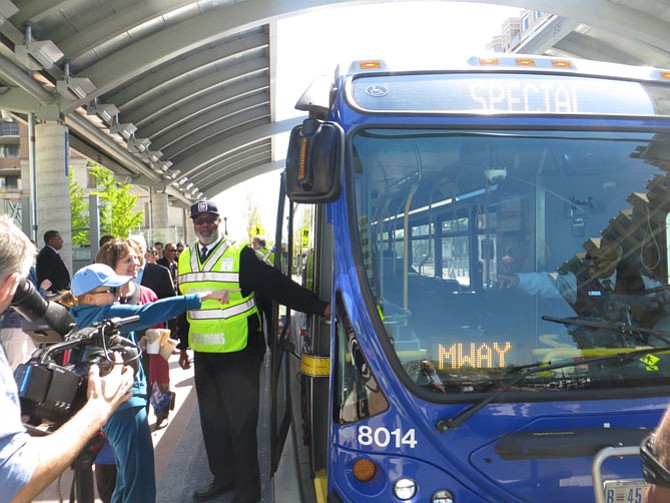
{"points": [[216, 255], [212, 259], [212, 276], [225, 313], [194, 257], [264, 255]]}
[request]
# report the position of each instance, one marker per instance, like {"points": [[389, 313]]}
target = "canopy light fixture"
{"points": [[106, 112], [138, 144], [165, 165], [153, 156], [38, 54], [74, 88], [125, 130]]}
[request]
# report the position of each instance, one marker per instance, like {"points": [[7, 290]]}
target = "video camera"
{"points": [[52, 385]]}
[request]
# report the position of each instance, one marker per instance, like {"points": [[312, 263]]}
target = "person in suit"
{"points": [[160, 250], [50, 265], [180, 248], [153, 276], [169, 260]]}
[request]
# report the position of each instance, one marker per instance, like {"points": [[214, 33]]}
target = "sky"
{"points": [[313, 44]]}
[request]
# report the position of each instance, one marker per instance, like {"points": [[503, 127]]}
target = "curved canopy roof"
{"points": [[178, 94]]}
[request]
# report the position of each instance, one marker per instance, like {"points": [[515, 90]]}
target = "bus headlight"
{"points": [[404, 489], [442, 497]]}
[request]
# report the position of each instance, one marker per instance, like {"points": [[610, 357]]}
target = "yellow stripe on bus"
{"points": [[316, 366], [321, 486]]}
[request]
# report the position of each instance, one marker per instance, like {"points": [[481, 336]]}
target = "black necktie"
{"points": [[203, 254]]}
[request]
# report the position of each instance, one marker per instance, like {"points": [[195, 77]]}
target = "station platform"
{"points": [[180, 460]]}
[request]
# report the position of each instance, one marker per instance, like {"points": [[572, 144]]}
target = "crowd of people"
{"points": [[211, 296], [206, 296]]}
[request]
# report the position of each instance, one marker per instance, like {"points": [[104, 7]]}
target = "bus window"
{"points": [[482, 246]]}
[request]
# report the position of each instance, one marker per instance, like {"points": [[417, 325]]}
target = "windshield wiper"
{"points": [[527, 370], [622, 328]]}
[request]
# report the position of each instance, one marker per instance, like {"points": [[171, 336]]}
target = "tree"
{"points": [[78, 213], [117, 215]]}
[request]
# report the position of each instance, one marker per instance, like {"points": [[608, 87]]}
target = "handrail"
{"points": [[599, 459]]}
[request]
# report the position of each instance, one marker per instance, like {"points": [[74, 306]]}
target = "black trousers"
{"points": [[228, 388]]}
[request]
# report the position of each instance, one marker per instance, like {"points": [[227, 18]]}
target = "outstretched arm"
{"points": [[271, 283]]}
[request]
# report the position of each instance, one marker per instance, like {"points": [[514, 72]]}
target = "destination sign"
{"points": [[492, 93], [474, 355]]}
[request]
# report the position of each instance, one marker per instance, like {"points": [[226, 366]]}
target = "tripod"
{"points": [[82, 485]]}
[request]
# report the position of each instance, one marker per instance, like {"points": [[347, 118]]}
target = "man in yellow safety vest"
{"points": [[228, 346]]}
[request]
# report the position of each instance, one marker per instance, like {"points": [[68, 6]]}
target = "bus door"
{"points": [[303, 341], [278, 332]]}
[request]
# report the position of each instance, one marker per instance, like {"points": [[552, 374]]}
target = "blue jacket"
{"points": [[150, 315]]}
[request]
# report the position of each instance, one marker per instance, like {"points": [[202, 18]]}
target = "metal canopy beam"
{"points": [[197, 77], [219, 149]]}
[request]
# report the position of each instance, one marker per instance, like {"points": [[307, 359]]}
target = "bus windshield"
{"points": [[489, 250]]}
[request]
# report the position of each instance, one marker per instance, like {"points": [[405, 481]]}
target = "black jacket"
{"points": [[173, 268], [50, 266], [158, 279]]}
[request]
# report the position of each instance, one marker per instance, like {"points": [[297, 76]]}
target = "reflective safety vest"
{"points": [[216, 328], [265, 255]]}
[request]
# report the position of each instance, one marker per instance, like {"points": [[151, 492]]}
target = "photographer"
{"points": [[28, 464]]}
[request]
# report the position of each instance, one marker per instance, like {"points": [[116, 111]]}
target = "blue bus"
{"points": [[493, 237]]}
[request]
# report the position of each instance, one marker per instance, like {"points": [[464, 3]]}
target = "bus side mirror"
{"points": [[314, 162]]}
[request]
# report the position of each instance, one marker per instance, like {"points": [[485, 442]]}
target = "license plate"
{"points": [[625, 491]]}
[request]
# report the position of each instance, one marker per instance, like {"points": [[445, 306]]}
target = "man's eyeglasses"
{"points": [[113, 290], [205, 221], [170, 249]]}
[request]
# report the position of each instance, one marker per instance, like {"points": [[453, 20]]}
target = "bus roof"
{"points": [[510, 63], [500, 83]]}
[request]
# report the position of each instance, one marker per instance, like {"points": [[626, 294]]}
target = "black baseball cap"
{"points": [[204, 206]]}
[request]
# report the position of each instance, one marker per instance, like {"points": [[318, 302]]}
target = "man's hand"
{"points": [[184, 361], [508, 280], [223, 296], [58, 450], [108, 392]]}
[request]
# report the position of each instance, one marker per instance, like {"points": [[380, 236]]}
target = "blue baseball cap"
{"points": [[204, 206], [95, 275]]}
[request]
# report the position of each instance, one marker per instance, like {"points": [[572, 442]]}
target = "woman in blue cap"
{"points": [[94, 297]]}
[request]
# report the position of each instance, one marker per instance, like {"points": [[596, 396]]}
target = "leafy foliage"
{"points": [[78, 213], [117, 213]]}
